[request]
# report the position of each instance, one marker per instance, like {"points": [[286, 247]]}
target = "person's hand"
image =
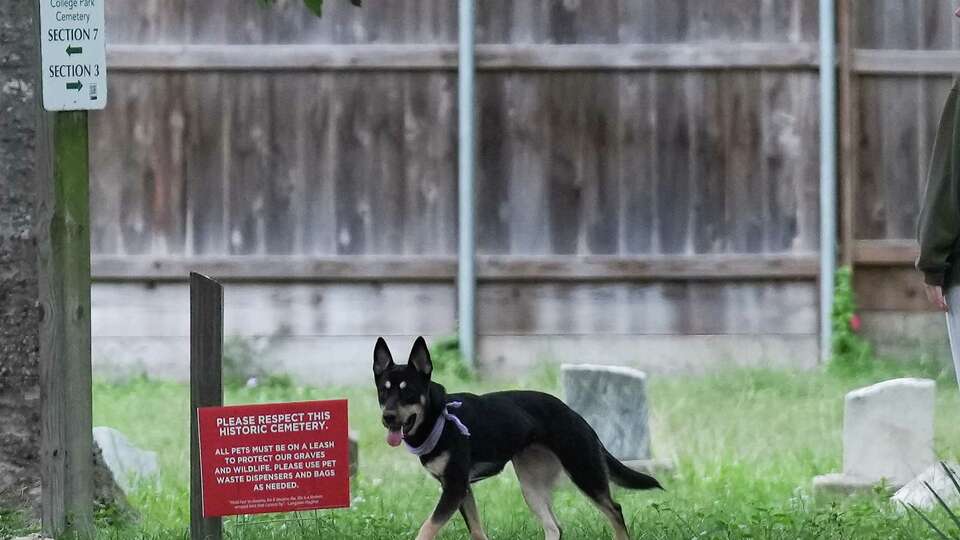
{"points": [[935, 295]]}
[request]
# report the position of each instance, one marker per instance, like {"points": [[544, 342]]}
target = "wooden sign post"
{"points": [[206, 388], [74, 80]]}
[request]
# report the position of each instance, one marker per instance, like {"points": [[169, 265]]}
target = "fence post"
{"points": [[206, 387], [849, 175]]}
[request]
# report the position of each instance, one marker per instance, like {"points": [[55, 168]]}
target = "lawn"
{"points": [[746, 444]]}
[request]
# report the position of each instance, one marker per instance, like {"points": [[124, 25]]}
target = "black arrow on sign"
{"points": [[71, 50], [74, 86]]}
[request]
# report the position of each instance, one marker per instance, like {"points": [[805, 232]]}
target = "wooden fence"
{"points": [[646, 168]]}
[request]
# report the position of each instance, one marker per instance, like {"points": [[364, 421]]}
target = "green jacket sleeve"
{"points": [[939, 225]]}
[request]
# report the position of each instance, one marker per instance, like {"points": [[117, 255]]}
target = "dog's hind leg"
{"points": [[590, 476], [468, 509], [614, 513], [537, 469]]}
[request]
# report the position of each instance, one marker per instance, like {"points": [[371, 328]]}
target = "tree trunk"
{"points": [[20, 312]]}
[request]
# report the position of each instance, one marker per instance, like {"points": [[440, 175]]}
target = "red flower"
{"points": [[855, 322]]}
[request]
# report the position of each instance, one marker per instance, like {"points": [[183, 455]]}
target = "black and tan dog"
{"points": [[464, 438]]}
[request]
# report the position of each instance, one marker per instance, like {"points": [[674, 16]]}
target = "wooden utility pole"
{"points": [[73, 76], [66, 447]]}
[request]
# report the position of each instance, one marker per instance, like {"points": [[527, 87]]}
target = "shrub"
{"points": [[850, 352], [448, 363]]}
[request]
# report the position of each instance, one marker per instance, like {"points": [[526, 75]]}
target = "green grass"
{"points": [[746, 443]]}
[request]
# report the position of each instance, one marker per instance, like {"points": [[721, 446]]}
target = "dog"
{"points": [[464, 438]]}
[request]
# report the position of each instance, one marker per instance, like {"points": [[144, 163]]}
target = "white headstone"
{"points": [[916, 493], [888, 430], [613, 400], [128, 464]]}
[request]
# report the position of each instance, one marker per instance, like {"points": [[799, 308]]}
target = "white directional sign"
{"points": [[74, 55]]}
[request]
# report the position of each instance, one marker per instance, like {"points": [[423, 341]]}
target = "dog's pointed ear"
{"points": [[420, 357], [382, 359]]}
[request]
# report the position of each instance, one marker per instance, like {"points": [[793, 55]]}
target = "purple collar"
{"points": [[434, 437]]}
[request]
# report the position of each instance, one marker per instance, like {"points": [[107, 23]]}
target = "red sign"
{"points": [[277, 457]]}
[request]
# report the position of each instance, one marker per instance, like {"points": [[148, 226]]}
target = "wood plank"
{"points": [[206, 388], [807, 164], [905, 62], [285, 183], [108, 169], [597, 166], [885, 252], [506, 356], [709, 183], [615, 308], [745, 186], [526, 130], [673, 163], [139, 58], [489, 267], [638, 151], [352, 165], [298, 311], [653, 22], [248, 163], [870, 212], [429, 162], [209, 122], [493, 165], [899, 106], [848, 126], [321, 156], [782, 154], [138, 181], [890, 289], [148, 21], [384, 186], [900, 155], [564, 97]]}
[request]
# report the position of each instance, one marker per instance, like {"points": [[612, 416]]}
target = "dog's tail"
{"points": [[624, 476]]}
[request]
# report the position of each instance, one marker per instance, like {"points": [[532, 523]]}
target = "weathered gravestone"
{"points": [[354, 452], [887, 435], [915, 493], [128, 464], [613, 400]]}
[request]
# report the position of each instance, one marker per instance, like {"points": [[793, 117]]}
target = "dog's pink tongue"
{"points": [[394, 438]]}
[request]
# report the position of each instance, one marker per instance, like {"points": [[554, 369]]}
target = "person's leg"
{"points": [[953, 327]]}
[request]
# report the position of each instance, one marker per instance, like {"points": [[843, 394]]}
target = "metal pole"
{"points": [[828, 172], [466, 273]]}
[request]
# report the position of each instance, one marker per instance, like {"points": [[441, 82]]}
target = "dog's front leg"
{"points": [[454, 491]]}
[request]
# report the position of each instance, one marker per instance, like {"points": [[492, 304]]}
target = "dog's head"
{"points": [[403, 390]]}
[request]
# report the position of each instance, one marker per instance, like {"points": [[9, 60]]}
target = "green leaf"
{"points": [[952, 475], [316, 6], [929, 523], [943, 504]]}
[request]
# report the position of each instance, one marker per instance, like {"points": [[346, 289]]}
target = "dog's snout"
{"points": [[389, 417]]}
